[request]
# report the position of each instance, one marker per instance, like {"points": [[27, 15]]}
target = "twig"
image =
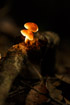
{"points": [[34, 68], [32, 88]]}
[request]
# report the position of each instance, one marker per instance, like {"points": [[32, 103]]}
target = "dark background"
{"points": [[51, 15]]}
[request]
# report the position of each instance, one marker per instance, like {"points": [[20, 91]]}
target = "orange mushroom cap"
{"points": [[31, 26], [28, 34]]}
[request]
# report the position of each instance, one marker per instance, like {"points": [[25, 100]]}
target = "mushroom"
{"points": [[31, 26], [28, 35]]}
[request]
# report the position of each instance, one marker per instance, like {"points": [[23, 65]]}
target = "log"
{"points": [[10, 67], [28, 60]]}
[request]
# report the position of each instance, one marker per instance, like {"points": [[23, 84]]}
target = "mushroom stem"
{"points": [[26, 39]]}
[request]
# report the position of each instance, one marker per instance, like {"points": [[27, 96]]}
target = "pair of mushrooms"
{"points": [[28, 32]]}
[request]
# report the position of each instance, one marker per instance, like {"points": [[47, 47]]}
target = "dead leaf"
{"points": [[35, 98]]}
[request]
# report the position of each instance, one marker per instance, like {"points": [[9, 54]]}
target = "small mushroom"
{"points": [[28, 35], [31, 26]]}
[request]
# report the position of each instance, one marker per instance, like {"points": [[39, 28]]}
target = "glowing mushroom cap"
{"points": [[31, 26], [28, 34]]}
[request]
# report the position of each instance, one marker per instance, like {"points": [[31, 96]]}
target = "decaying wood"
{"points": [[10, 68], [29, 60]]}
